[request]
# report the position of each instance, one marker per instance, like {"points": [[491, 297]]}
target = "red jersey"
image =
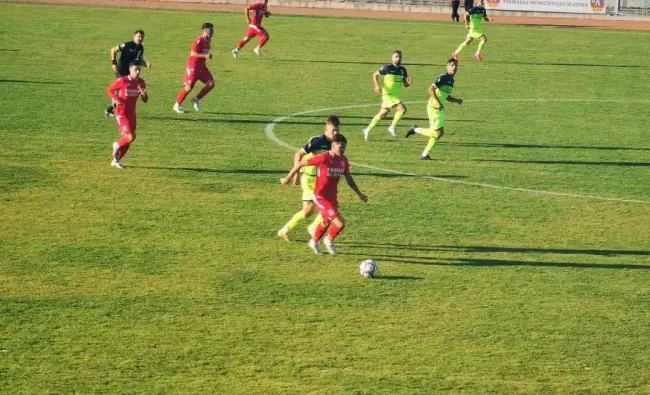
{"points": [[329, 169], [259, 10], [128, 91], [201, 45]]}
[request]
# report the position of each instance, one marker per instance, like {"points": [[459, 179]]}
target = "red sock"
{"points": [[319, 232], [181, 96], [334, 231], [204, 91], [241, 44], [263, 41], [123, 149]]}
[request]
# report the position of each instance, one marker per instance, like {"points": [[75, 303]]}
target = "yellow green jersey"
{"points": [[444, 85], [476, 15], [394, 77]]}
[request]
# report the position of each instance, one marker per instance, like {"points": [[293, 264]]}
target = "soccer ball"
{"points": [[369, 268]]}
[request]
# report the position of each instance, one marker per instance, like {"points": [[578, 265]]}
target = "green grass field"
{"points": [[168, 277]]}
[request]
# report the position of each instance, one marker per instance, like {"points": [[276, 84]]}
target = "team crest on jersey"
{"points": [[493, 3], [598, 5]]}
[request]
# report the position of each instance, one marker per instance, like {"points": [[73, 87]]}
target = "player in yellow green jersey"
{"points": [[316, 145], [395, 77], [474, 18], [439, 92]]}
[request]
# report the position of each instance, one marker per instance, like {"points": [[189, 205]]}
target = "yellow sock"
{"points": [[480, 46], [374, 122], [297, 217], [317, 221], [432, 142], [397, 118]]}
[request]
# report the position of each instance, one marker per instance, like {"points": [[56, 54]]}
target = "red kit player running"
{"points": [[255, 27], [331, 166], [125, 92], [197, 70]]}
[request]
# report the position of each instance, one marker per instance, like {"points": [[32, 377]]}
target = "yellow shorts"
{"points": [[475, 34], [436, 117], [388, 101], [307, 183]]}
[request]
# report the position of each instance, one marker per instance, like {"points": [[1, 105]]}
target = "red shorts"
{"points": [[254, 30], [126, 124], [328, 209], [198, 73]]}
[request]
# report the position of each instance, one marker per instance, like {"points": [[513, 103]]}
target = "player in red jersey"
{"points": [[255, 27], [197, 70], [331, 166], [125, 92]]}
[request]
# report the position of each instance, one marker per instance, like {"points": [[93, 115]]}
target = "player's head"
{"points": [[397, 57], [339, 143], [134, 69], [332, 127], [452, 66], [138, 36], [208, 29]]}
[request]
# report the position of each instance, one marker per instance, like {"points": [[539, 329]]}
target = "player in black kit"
{"points": [[130, 51]]}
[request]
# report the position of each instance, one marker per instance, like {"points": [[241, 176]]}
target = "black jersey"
{"points": [[129, 51]]}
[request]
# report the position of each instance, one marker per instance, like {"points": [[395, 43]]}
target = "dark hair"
{"points": [[207, 25], [397, 51], [135, 63], [333, 120], [339, 138], [139, 31], [452, 60]]}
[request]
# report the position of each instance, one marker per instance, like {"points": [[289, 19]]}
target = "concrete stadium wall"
{"points": [[439, 7]]}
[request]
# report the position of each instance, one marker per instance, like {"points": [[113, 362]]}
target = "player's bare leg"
{"points": [[263, 40], [178, 106], [380, 115]]}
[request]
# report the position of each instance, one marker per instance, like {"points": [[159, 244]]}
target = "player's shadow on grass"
{"points": [[566, 162], [527, 146], [34, 82], [423, 260], [278, 172], [564, 64], [392, 278], [321, 117], [246, 121], [491, 249], [377, 63]]}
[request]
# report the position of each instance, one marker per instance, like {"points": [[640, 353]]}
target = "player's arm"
{"points": [[195, 54], [247, 12], [355, 188], [485, 17], [297, 158], [115, 87], [114, 52], [434, 96], [454, 99], [296, 167], [375, 80], [143, 92], [407, 80]]}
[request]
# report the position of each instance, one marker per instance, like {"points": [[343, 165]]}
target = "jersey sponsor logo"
{"points": [[132, 92], [335, 172]]}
